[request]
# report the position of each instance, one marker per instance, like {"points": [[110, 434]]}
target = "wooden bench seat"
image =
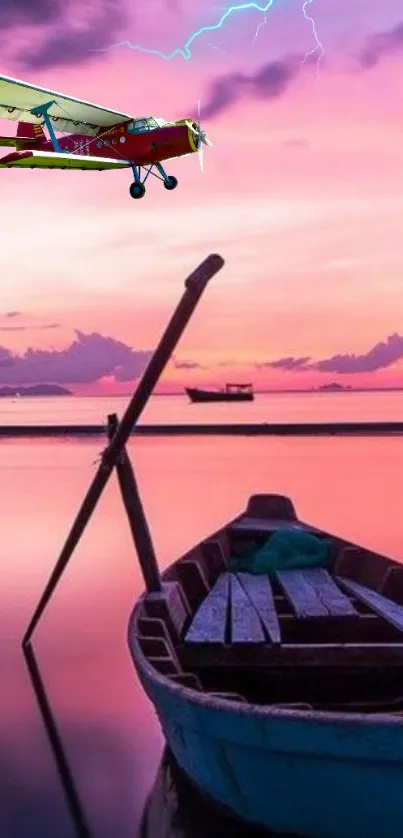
{"points": [[313, 593], [240, 608], [386, 608]]}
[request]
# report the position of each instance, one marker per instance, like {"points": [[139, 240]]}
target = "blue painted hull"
{"points": [[320, 775]]}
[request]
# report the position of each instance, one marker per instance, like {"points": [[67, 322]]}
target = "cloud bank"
{"points": [[88, 359], [380, 45], [384, 354]]}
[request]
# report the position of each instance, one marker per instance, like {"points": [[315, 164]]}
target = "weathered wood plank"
{"points": [[259, 591], [327, 655], [303, 597], [386, 608], [245, 623], [209, 623], [313, 593]]}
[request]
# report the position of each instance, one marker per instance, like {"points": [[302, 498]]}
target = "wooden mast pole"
{"points": [[136, 516], [195, 284]]}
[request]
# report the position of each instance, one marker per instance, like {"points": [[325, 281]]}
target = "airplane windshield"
{"points": [[146, 123]]}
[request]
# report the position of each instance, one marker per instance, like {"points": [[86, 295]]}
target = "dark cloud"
{"points": [[88, 358], [381, 44], [12, 314], [61, 33], [187, 365], [268, 82], [383, 354], [67, 44], [288, 363], [22, 12], [29, 328]]}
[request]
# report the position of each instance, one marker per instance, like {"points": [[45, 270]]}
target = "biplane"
{"points": [[101, 139]]}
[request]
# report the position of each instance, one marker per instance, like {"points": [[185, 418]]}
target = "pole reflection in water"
{"points": [[72, 798], [174, 809]]}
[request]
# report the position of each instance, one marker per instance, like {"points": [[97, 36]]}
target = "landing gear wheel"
{"points": [[137, 190], [170, 183]]}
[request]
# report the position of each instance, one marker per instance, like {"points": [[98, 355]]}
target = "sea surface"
{"points": [[267, 407], [190, 486]]}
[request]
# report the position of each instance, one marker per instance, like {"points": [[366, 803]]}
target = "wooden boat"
{"points": [[281, 698], [230, 393]]}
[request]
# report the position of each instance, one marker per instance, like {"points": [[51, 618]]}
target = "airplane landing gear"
{"points": [[170, 182], [137, 189]]}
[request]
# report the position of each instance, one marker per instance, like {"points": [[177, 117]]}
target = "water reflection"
{"points": [[55, 742], [174, 807]]}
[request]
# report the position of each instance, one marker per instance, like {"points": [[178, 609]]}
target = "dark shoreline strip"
{"points": [[258, 429]]}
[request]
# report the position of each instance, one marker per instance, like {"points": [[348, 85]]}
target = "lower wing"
{"points": [[52, 160]]}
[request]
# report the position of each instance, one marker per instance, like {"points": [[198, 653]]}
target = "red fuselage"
{"points": [[151, 146]]}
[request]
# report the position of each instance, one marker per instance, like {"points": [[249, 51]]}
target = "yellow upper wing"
{"points": [[50, 160], [17, 98]]}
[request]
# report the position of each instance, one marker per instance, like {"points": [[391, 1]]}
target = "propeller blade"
{"points": [[206, 141], [200, 152]]}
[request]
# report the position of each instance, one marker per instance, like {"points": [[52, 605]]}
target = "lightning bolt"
{"points": [[259, 26], [185, 51], [318, 49]]}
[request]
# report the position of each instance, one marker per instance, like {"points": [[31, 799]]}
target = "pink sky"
{"points": [[302, 194]]}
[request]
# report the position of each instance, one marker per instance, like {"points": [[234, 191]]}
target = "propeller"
{"points": [[202, 139]]}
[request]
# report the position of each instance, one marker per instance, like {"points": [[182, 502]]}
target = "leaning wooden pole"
{"points": [[195, 284], [137, 520]]}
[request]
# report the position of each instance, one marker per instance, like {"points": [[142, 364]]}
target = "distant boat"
{"points": [[230, 393]]}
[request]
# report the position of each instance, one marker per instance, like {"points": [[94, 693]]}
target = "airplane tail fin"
{"points": [[28, 136], [29, 131]]}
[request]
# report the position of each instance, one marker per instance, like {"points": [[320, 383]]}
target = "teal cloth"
{"points": [[284, 550]]}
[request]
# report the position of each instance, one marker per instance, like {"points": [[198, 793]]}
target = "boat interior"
{"points": [[313, 638]]}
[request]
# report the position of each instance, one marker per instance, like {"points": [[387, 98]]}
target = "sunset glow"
{"points": [[302, 194]]}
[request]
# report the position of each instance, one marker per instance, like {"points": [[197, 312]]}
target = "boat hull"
{"points": [[196, 395], [321, 775]]}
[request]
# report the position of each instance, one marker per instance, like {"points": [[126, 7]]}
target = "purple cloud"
{"points": [[268, 82], [23, 12], [381, 44], [55, 39], [88, 358], [12, 314], [380, 356], [384, 354]]}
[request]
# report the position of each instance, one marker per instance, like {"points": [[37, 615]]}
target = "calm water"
{"points": [[268, 407], [189, 486]]}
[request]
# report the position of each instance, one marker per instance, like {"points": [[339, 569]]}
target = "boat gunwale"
{"points": [[263, 711]]}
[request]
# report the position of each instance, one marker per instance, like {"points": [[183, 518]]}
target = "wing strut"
{"points": [[42, 110]]}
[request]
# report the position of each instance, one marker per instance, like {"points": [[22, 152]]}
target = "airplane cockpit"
{"points": [[147, 123]]}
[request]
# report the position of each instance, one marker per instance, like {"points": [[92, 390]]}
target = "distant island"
{"points": [[334, 386], [34, 390]]}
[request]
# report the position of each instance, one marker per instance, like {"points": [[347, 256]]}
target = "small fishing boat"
{"points": [[280, 694], [230, 393]]}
